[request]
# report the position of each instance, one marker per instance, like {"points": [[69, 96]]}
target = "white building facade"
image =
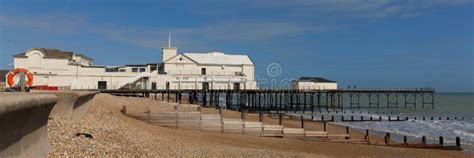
{"points": [[67, 70], [314, 83]]}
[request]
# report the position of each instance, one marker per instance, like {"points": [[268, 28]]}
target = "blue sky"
{"points": [[367, 43]]}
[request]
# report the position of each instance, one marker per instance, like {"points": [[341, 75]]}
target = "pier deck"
{"points": [[284, 100]]}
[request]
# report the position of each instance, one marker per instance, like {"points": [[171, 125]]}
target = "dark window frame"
{"points": [[203, 71]]}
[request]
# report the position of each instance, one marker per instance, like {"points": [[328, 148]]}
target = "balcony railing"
{"points": [[209, 73]]}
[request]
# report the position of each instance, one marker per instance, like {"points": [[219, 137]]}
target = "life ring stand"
{"points": [[14, 72]]}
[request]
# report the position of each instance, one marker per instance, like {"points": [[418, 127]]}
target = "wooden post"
{"points": [[242, 115], [441, 140], [389, 119], [347, 132], [168, 95], [405, 140], [332, 118], [387, 138], [423, 140], [302, 121], [260, 116], [322, 118], [281, 119], [149, 115], [367, 135], [325, 127], [124, 110], [458, 142]]}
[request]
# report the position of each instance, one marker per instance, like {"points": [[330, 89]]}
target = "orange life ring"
{"points": [[12, 74]]}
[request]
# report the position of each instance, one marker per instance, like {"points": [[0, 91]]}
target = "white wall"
{"points": [[314, 85], [181, 74]]}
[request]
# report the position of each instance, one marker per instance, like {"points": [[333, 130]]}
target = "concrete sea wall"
{"points": [[23, 124], [24, 119], [71, 104]]}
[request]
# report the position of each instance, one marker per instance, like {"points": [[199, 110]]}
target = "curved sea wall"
{"points": [[23, 124], [71, 104], [82, 104]]}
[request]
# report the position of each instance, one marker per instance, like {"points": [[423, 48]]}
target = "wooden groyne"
{"points": [[196, 120], [423, 143]]}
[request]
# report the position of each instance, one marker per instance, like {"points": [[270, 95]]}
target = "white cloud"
{"points": [[155, 37], [364, 8], [236, 30]]}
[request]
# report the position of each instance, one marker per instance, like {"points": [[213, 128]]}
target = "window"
{"points": [[111, 70], [153, 68], [142, 69], [122, 70], [203, 71], [134, 69], [35, 60]]}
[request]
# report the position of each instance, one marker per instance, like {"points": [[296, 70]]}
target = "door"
{"points": [[237, 86], [102, 85], [205, 86], [153, 85]]}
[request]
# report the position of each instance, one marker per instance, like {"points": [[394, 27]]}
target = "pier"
{"points": [[289, 100]]}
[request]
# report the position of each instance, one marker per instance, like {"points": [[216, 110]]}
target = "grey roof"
{"points": [[136, 65], [53, 53], [3, 73], [84, 57], [316, 79]]}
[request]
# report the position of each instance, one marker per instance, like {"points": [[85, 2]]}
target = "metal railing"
{"points": [[210, 73]]}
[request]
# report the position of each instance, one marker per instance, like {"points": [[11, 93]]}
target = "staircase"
{"points": [[132, 83]]}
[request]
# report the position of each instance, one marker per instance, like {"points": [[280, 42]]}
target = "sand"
{"points": [[117, 135]]}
